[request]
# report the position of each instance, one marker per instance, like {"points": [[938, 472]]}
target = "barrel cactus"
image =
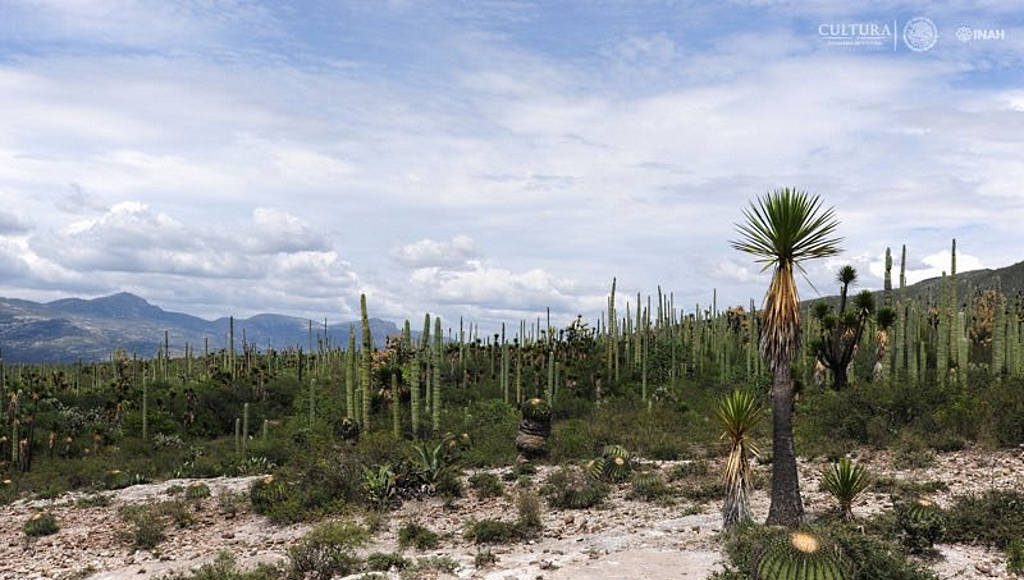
{"points": [[537, 410], [920, 523], [618, 465], [534, 428], [802, 556]]}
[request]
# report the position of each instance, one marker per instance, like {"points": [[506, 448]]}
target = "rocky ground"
{"points": [[625, 538]]}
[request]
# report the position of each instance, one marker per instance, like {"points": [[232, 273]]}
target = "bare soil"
{"points": [[623, 539]]}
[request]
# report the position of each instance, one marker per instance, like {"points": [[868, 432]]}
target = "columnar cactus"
{"points": [[435, 399], [366, 369]]}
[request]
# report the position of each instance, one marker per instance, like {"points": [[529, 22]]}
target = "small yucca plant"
{"points": [[845, 480], [739, 414]]}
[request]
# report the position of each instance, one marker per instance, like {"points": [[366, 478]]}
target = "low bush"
{"points": [[197, 491], [994, 518], [1015, 557], [41, 524], [420, 537], [649, 487], [486, 485], [327, 551], [492, 532], [146, 526], [224, 567], [570, 488], [386, 561]]}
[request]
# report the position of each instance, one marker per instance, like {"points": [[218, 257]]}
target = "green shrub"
{"points": [[224, 567], [229, 503], [570, 488], [994, 518], [197, 491], [703, 490], [41, 524], [146, 526], [484, 559], [327, 551], [267, 493], [420, 537], [689, 470], [486, 485], [911, 452], [528, 507], [1015, 557], [649, 487], [383, 562], [450, 486], [491, 532], [93, 500]]}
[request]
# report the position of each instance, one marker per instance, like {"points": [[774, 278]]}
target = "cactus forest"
{"points": [[653, 402]]}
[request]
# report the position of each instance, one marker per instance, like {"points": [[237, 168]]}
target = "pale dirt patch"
{"points": [[624, 539]]}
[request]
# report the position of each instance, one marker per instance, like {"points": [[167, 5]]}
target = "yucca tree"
{"points": [[782, 230], [845, 480], [739, 415]]}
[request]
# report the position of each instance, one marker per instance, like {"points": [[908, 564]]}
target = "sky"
{"points": [[492, 159]]}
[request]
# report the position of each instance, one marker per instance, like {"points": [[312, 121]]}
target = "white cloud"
{"points": [[454, 253], [270, 170]]}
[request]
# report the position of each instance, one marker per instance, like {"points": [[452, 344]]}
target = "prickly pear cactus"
{"points": [[802, 556]]}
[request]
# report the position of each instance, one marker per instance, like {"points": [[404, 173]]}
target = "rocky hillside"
{"points": [[73, 328]]}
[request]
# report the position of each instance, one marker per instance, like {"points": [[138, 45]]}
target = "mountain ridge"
{"points": [[72, 329]]}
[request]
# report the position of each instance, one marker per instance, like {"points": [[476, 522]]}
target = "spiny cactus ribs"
{"points": [[534, 428], [802, 556]]}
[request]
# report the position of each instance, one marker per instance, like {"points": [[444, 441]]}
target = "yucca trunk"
{"points": [[779, 345], [736, 509]]}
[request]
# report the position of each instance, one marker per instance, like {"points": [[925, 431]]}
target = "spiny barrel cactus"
{"points": [[537, 410], [802, 556], [614, 465], [920, 523], [534, 428]]}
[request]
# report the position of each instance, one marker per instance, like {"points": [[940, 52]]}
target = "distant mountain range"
{"points": [[71, 329], [1009, 279]]}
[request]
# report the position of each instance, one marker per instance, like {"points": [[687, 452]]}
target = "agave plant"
{"points": [[430, 462], [739, 414], [845, 480], [379, 485]]}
